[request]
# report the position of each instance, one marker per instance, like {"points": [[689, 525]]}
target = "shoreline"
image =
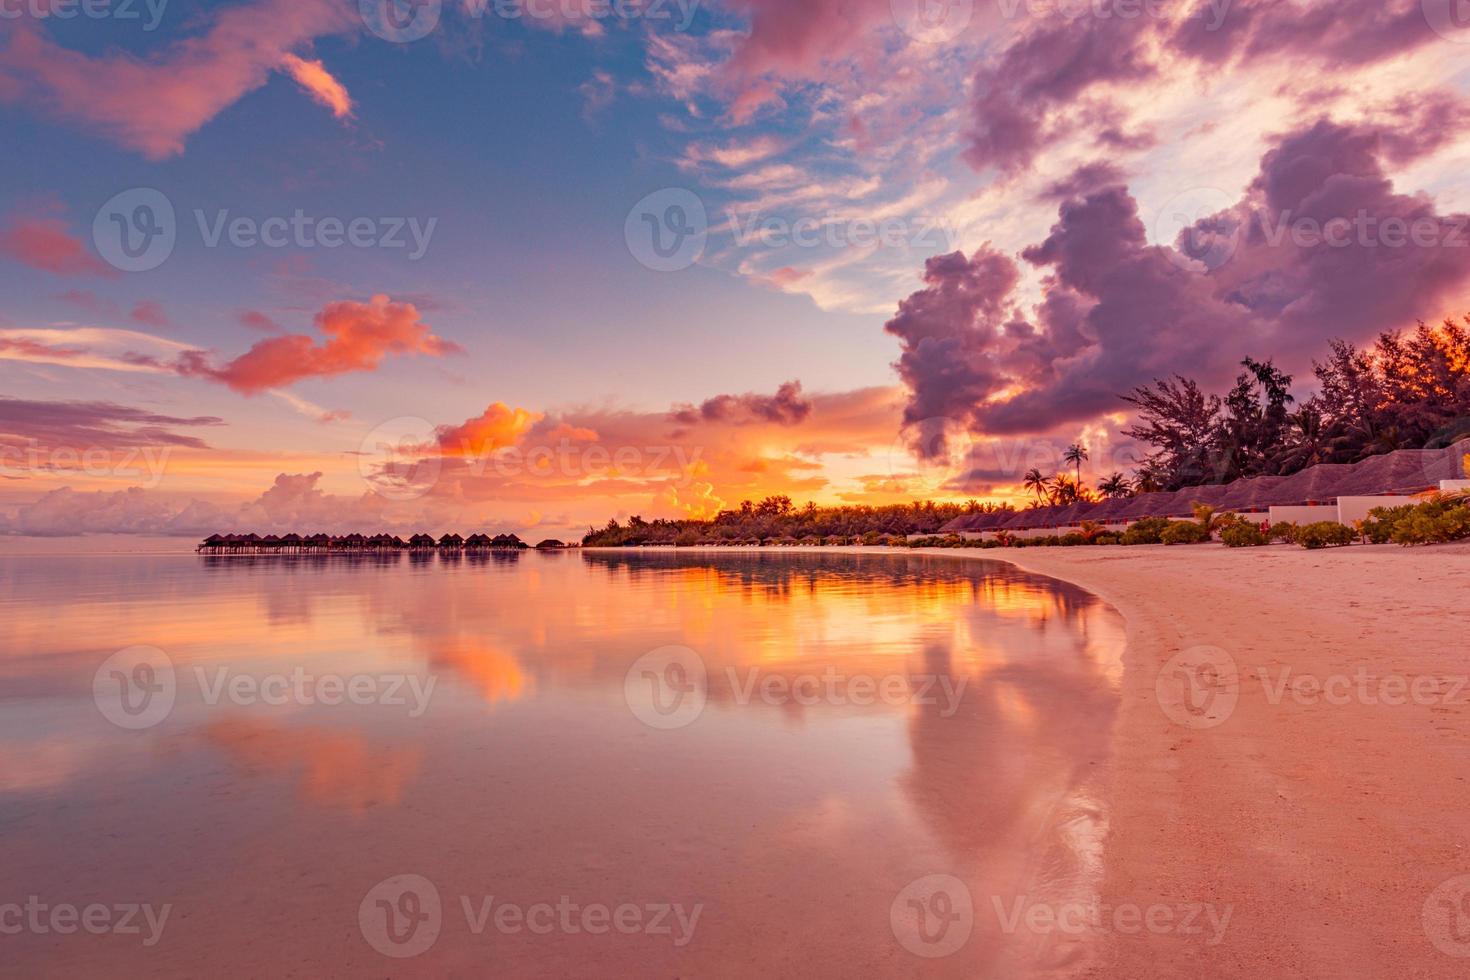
{"points": [[1326, 808], [1326, 818]]}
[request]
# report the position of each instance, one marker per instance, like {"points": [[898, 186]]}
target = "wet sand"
{"points": [[1333, 820]]}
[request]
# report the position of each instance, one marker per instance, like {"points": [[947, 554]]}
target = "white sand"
{"points": [[1326, 823]]}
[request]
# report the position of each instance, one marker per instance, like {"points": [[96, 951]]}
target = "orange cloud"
{"points": [[498, 427], [45, 244], [359, 336], [320, 85]]}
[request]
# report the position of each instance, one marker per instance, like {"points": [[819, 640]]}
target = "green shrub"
{"points": [[1150, 530], [1244, 536], [1108, 538], [1185, 532], [1436, 521], [1285, 531], [1073, 540], [1426, 525], [1325, 534], [687, 539]]}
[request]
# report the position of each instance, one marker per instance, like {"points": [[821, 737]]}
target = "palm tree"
{"points": [[1063, 491], [1212, 520], [1076, 454], [1115, 486], [1035, 482]]}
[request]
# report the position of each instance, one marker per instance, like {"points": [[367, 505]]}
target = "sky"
{"points": [[526, 266]]}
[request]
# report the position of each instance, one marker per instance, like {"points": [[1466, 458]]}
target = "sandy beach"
{"points": [[1327, 809]]}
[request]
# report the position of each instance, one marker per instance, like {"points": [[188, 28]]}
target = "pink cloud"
{"points": [[256, 320], [359, 337], [153, 104], [150, 313], [46, 244], [1252, 280]]}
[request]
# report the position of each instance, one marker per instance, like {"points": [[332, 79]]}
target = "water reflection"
{"points": [[794, 819]]}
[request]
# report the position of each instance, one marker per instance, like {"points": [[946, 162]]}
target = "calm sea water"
{"points": [[597, 764]]}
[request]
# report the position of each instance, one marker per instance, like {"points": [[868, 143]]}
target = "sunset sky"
{"points": [[655, 258]]}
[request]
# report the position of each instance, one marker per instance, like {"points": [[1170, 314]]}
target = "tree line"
{"points": [[777, 520], [1405, 391]]}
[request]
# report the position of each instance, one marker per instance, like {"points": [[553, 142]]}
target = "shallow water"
{"points": [[582, 764]]}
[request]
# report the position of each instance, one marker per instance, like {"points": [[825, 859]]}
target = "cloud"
{"points": [[498, 427], [786, 407], [256, 320], [149, 313], [1062, 76], [46, 244], [81, 425], [153, 104], [318, 83], [1117, 311], [90, 347], [359, 337]]}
